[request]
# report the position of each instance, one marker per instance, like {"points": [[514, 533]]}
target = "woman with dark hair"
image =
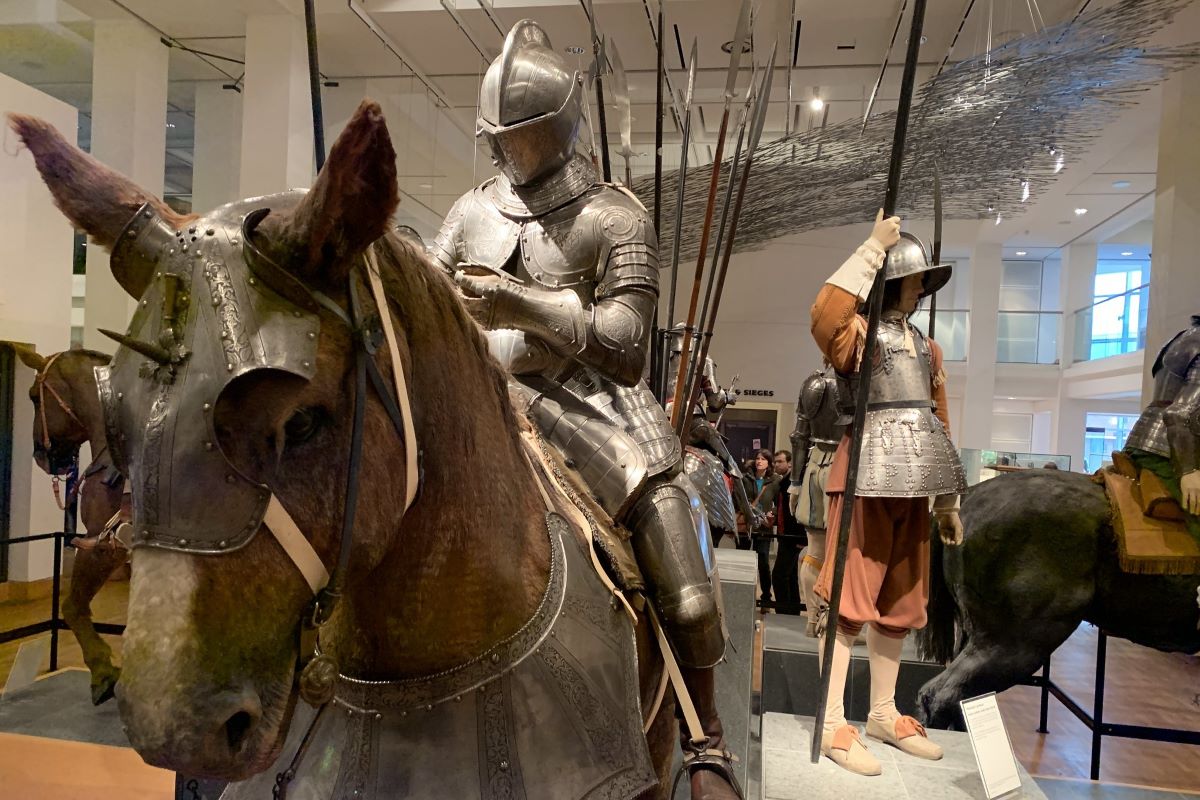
{"points": [[762, 484]]}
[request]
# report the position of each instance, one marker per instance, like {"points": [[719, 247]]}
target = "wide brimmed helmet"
{"points": [[909, 257], [530, 105]]}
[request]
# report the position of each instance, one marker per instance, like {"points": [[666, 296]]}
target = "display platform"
{"points": [[788, 774], [790, 675], [739, 575]]}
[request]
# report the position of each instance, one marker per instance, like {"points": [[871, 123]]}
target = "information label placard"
{"points": [[993, 751]]}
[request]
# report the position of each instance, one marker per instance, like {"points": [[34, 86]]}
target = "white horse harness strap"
{"points": [[296, 545], [411, 472]]}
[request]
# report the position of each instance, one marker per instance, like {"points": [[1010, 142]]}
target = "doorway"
{"points": [[748, 430]]}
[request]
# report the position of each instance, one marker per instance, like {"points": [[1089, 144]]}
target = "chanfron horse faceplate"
{"points": [[204, 321]]}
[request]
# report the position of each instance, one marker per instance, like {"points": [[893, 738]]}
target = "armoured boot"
{"points": [[708, 764]]}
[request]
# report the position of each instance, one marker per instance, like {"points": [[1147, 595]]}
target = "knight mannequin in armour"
{"points": [[561, 270], [710, 397], [819, 428], [1166, 438], [907, 458]]}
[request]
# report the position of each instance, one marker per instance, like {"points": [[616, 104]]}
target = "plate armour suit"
{"points": [[561, 270]]}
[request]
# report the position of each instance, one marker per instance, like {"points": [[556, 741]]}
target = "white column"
{"points": [[980, 389], [1078, 282], [277, 134], [217, 158], [129, 134], [1174, 275]]}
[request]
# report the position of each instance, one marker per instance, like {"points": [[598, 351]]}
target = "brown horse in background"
{"points": [[66, 413], [211, 646]]}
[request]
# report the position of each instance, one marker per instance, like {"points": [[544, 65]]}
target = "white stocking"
{"points": [[885, 669], [835, 706]]}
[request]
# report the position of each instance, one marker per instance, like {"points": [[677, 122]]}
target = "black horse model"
{"points": [[1039, 557]]}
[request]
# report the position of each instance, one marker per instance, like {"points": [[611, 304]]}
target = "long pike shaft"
{"points": [[864, 379], [677, 415]]}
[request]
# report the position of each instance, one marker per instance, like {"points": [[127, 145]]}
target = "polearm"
{"points": [[680, 182], [655, 344], [864, 376], [314, 83], [883, 69], [598, 52], [624, 115], [678, 417], [937, 240], [704, 327], [762, 101]]}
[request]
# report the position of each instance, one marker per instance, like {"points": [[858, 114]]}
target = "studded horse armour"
{"points": [[552, 713]]}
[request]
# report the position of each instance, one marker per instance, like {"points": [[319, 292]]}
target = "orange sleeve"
{"points": [[938, 384], [837, 327]]}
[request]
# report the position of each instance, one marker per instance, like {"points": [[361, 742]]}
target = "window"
{"points": [[1104, 433], [1119, 307]]}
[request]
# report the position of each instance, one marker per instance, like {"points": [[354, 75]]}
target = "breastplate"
{"points": [[896, 376], [824, 420], [560, 250]]}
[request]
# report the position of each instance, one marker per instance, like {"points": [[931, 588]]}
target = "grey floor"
{"points": [[60, 707]]}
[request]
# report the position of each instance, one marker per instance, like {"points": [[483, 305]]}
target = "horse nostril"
{"points": [[236, 728]]}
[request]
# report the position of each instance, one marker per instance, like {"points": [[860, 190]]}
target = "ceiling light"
{"points": [[1022, 253], [170, 124], [816, 104], [1079, 212], [999, 218], [728, 46], [1126, 252], [425, 185], [1058, 165], [1024, 191], [1121, 184]]}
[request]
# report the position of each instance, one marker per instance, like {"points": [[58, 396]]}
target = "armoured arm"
{"points": [[800, 445], [1182, 419], [715, 397]]}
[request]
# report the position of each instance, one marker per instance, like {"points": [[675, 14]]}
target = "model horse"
{"points": [[1039, 557], [460, 613], [66, 413]]}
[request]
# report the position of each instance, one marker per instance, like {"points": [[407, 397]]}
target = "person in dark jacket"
{"points": [[762, 485], [785, 575]]}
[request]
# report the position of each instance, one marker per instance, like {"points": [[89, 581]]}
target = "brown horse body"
{"points": [[210, 650], [66, 414]]}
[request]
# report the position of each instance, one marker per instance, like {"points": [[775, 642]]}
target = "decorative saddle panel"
{"points": [[1152, 538]]}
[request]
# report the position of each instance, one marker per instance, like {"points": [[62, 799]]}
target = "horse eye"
{"points": [[303, 425]]}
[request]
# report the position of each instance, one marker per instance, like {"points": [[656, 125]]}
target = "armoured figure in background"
{"points": [[819, 428], [1166, 437], [561, 270], [710, 397]]}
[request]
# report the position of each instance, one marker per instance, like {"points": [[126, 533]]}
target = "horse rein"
{"points": [[39, 381]]}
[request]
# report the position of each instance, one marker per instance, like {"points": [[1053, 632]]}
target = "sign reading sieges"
{"points": [[756, 392]]}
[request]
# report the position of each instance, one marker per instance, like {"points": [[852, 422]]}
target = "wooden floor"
{"points": [[1144, 687]]}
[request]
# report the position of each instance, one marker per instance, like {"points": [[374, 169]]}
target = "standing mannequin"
{"points": [[561, 271], [819, 428], [906, 459]]}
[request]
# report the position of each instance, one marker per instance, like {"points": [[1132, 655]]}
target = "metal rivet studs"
{"points": [[495, 658], [183, 542], [221, 543], [208, 445], [378, 716], [429, 707], [184, 248], [229, 367], [208, 406], [145, 303], [296, 314], [146, 214], [192, 229], [312, 335], [306, 364], [233, 242], [252, 282], [504, 766], [210, 232], [230, 479], [458, 698], [120, 395]]}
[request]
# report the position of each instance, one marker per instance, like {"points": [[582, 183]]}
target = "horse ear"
{"points": [[347, 208], [94, 197], [29, 357]]}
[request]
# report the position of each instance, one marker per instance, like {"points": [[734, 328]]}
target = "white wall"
{"points": [[35, 308]]}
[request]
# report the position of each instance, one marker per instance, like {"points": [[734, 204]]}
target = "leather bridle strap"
{"points": [[296, 545], [40, 379]]}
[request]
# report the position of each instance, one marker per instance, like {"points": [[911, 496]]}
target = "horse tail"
{"points": [[939, 640]]}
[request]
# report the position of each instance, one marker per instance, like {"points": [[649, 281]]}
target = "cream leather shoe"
{"points": [[905, 734], [845, 748]]}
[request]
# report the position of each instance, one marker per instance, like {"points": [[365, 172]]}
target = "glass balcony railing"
{"points": [[951, 331], [1028, 337], [981, 465], [1111, 326]]}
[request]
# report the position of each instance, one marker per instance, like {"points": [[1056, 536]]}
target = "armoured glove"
{"points": [[555, 317], [731, 396], [794, 498], [945, 511], [1189, 485], [886, 231]]}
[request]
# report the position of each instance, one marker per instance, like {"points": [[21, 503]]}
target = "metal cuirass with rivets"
{"points": [[1165, 427], [906, 451]]}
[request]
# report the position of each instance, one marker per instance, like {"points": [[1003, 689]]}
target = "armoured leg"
{"points": [[809, 570], [708, 761], [664, 540]]}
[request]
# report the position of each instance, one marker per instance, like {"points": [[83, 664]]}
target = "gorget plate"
{"points": [[553, 713]]}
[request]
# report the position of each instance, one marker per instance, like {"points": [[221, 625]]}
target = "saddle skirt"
{"points": [[1152, 538], [553, 712]]}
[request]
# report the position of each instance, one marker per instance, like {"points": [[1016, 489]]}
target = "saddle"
{"points": [[1152, 537]]}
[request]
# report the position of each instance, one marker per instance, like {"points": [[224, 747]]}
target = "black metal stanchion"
{"points": [[54, 597]]}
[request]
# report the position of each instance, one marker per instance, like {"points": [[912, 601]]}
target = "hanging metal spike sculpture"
{"points": [[1057, 88]]}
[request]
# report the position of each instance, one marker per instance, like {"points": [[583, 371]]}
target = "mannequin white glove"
{"points": [[945, 511], [886, 232], [793, 498], [1189, 485]]}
